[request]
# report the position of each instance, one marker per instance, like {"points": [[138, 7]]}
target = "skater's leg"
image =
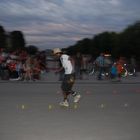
{"points": [[65, 101], [65, 95]]}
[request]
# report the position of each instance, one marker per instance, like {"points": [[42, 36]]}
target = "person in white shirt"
{"points": [[69, 77]]}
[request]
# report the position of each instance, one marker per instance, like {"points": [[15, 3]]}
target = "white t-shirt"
{"points": [[66, 63]]}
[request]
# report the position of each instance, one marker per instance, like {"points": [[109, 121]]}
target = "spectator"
{"points": [[19, 69], [27, 66], [133, 64], [119, 70], [114, 71], [100, 64], [78, 65]]}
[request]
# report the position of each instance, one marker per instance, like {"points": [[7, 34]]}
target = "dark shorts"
{"points": [[68, 81]]}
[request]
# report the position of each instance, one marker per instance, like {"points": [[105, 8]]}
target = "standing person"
{"points": [[114, 71], [69, 77], [133, 65], [100, 64], [19, 69], [119, 70], [78, 65], [27, 66]]}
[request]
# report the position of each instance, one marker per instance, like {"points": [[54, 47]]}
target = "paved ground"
{"points": [[107, 111]]}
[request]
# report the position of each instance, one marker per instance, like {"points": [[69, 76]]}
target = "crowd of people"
{"points": [[104, 66], [19, 65], [117, 68]]}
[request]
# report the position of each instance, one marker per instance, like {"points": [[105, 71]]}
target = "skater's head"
{"points": [[57, 52]]}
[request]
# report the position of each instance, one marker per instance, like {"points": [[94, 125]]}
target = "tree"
{"points": [[2, 38], [82, 46], [130, 40], [125, 43], [32, 50], [17, 40], [105, 42]]}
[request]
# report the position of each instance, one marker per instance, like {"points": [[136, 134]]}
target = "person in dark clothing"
{"points": [[100, 64], [78, 65]]}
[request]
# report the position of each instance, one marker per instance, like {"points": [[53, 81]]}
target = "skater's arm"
{"points": [[59, 70]]}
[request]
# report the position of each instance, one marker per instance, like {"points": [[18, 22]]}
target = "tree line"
{"points": [[125, 43], [12, 41]]}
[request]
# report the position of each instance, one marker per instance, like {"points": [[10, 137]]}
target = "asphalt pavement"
{"points": [[107, 110]]}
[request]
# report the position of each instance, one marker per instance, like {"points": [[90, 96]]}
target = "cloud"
{"points": [[48, 23]]}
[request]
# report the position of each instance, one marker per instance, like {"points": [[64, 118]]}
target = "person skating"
{"points": [[69, 77]]}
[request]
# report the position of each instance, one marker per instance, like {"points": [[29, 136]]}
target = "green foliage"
{"points": [[32, 50], [130, 40], [2, 38], [17, 40], [126, 43]]}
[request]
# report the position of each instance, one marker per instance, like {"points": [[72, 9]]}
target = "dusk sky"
{"points": [[61, 23]]}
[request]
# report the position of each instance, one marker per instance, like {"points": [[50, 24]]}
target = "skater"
{"points": [[68, 79]]}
